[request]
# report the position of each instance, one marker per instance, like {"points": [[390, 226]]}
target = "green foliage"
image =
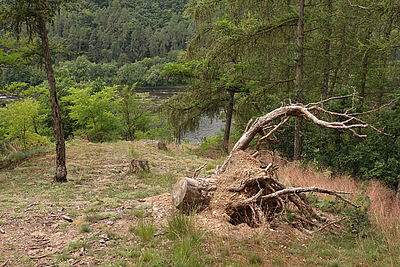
{"points": [[21, 123], [377, 156], [95, 112], [180, 225], [147, 72], [134, 112], [82, 70], [358, 221], [122, 31]]}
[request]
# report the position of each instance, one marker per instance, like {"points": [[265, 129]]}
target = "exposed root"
{"points": [[262, 199]]}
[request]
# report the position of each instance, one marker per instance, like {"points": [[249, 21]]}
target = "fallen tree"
{"points": [[258, 197]]}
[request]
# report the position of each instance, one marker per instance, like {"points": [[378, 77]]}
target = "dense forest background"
{"points": [[113, 41], [244, 58]]}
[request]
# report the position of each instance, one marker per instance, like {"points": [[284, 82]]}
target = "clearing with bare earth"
{"points": [[107, 216]]}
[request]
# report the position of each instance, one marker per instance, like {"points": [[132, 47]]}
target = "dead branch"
{"points": [[351, 123], [295, 190], [265, 137], [329, 224], [198, 170]]}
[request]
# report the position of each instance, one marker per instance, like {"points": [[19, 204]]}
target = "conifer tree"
{"points": [[30, 17]]}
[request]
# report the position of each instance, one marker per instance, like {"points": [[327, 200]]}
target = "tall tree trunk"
{"points": [[364, 74], [228, 123], [364, 68], [298, 142], [61, 170], [327, 67]]}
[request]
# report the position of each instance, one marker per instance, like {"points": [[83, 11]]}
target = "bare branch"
{"points": [[329, 100], [198, 170], [291, 190], [329, 224], [265, 137], [391, 103]]}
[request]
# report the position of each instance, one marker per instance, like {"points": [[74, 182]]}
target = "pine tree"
{"points": [[30, 17]]}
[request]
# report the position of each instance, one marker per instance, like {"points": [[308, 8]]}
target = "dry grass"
{"points": [[384, 207]]}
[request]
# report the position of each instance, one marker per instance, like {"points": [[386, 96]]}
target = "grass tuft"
{"points": [[180, 225], [145, 230]]}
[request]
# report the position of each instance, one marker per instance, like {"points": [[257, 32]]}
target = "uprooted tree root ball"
{"points": [[250, 192], [257, 200]]}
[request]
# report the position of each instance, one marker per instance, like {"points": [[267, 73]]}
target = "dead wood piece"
{"points": [[334, 223], [246, 183], [192, 195], [40, 257], [198, 170], [261, 124], [139, 165], [292, 190], [67, 218], [260, 182]]}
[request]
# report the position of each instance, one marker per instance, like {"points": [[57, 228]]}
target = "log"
{"points": [[192, 195]]}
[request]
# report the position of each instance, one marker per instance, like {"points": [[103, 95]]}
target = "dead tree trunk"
{"points": [[229, 114], [298, 140], [192, 195], [262, 125]]}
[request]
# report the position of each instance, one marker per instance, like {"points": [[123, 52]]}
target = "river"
{"points": [[207, 126]]}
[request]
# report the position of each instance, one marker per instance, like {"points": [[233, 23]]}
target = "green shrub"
{"points": [[20, 123], [358, 221], [95, 112]]}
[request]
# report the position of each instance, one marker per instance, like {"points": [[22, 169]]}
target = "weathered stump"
{"points": [[162, 146], [139, 165], [192, 195]]}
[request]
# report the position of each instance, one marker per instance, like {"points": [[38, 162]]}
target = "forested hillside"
{"points": [[107, 41]]}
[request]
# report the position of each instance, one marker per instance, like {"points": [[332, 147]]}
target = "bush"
{"points": [[21, 122], [95, 112]]}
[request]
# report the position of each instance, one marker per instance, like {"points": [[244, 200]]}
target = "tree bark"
{"points": [[327, 67], [228, 123], [139, 165], [364, 69], [298, 143], [298, 139], [192, 195], [61, 170]]}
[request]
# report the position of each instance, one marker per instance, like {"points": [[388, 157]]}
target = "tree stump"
{"points": [[192, 195], [162, 146], [139, 165]]}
